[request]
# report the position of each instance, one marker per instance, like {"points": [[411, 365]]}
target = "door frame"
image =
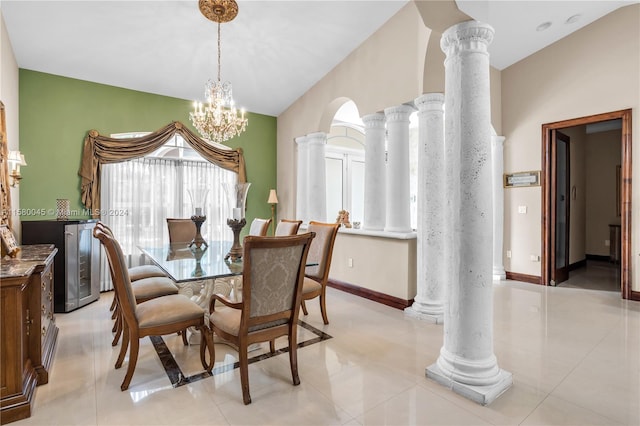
{"points": [[625, 193]]}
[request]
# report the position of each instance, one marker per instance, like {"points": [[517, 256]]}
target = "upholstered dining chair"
{"points": [[273, 271], [157, 317], [259, 227], [287, 227], [316, 277], [146, 286], [181, 230], [141, 271]]}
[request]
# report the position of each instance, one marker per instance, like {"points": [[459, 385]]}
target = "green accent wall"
{"points": [[57, 112]]}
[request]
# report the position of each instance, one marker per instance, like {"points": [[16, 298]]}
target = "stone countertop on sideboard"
{"points": [[26, 260]]}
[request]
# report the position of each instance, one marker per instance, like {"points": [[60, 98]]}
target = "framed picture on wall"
{"points": [[8, 241]]}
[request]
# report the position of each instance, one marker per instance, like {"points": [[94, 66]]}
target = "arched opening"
{"points": [[345, 163]]}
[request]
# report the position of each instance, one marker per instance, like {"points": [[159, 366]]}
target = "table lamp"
{"points": [[273, 200]]}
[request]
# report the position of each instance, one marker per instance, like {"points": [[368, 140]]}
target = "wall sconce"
{"points": [[16, 160], [273, 200]]}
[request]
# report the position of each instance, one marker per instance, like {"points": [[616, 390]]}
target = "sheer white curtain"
{"points": [[138, 195]]}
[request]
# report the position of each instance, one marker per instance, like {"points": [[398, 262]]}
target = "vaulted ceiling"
{"points": [[273, 52]]}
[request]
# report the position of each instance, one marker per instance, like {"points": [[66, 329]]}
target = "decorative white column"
{"points": [[497, 164], [432, 268], [467, 364], [398, 213], [316, 177], [302, 189], [374, 172]]}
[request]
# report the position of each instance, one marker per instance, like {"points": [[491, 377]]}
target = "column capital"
{"points": [[300, 140], [398, 113], [374, 121], [317, 138], [430, 102], [470, 36]]}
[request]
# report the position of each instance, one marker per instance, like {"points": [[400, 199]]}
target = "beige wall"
{"points": [[602, 156], [592, 71], [386, 70], [9, 96], [384, 265]]}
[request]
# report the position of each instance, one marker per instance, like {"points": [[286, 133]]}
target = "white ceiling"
{"points": [[515, 23], [273, 52]]}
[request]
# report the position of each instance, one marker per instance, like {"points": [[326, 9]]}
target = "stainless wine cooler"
{"points": [[77, 263]]}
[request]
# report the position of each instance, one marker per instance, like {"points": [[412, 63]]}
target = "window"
{"points": [[344, 156], [345, 164], [138, 195]]}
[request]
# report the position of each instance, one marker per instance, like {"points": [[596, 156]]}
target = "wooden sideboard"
{"points": [[27, 328]]}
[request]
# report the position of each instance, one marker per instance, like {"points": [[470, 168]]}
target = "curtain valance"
{"points": [[100, 150]]}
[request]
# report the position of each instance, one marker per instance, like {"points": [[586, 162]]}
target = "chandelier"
{"points": [[218, 120]]}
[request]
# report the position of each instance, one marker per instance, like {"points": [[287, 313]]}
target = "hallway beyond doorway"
{"points": [[596, 275]]}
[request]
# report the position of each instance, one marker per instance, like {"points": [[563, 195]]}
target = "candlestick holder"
{"points": [[237, 199], [197, 255], [236, 249], [198, 241]]}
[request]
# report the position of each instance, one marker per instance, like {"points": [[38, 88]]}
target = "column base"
{"points": [[483, 395], [499, 274], [425, 313]]}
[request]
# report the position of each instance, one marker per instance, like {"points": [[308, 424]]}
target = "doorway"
{"points": [[555, 203]]}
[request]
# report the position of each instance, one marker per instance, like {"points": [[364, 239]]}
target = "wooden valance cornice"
{"points": [[100, 150]]}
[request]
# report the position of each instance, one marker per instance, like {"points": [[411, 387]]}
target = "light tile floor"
{"points": [[574, 354]]}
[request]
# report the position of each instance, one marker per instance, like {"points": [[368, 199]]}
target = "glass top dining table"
{"points": [[183, 263]]}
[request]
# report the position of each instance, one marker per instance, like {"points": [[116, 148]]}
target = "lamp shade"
{"points": [[273, 197], [16, 158]]}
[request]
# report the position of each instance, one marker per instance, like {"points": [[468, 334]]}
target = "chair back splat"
{"points": [[181, 230], [287, 227], [259, 227], [273, 272]]}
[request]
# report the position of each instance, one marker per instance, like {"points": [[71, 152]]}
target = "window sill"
{"points": [[370, 233]]}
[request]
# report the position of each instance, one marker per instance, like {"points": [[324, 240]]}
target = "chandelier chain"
{"points": [[219, 51]]}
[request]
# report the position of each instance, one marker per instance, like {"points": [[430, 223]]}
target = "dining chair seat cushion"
{"points": [[150, 288], [145, 271], [226, 319], [167, 309], [310, 285]]}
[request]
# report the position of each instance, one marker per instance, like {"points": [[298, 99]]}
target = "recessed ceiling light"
{"points": [[543, 26], [574, 18]]}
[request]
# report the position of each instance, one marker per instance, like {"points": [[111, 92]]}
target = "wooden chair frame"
{"points": [[133, 331], [116, 315], [325, 265], [255, 329]]}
